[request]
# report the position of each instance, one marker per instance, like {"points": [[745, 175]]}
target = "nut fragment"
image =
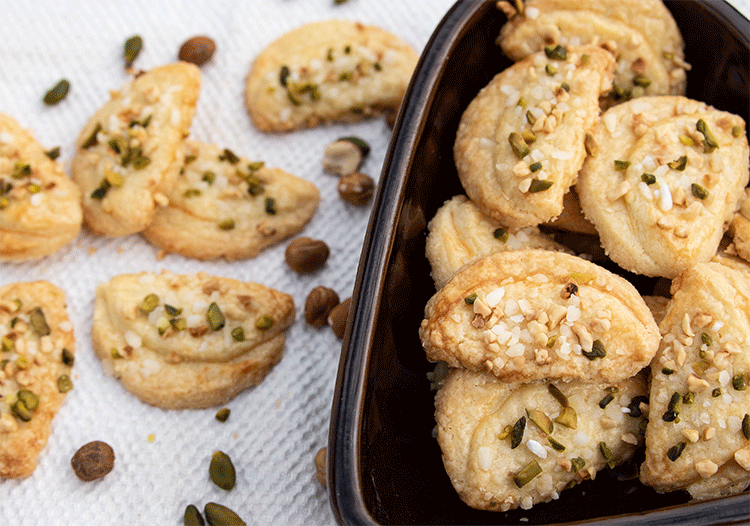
{"points": [[218, 515], [338, 316], [356, 188], [93, 460], [305, 254], [320, 466], [344, 156], [197, 50], [318, 305]]}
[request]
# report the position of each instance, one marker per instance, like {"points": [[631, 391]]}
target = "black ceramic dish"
{"points": [[384, 465]]}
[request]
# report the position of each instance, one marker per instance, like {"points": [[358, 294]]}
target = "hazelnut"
{"points": [[197, 50], [356, 188], [305, 254], [345, 155], [318, 305], [93, 460], [338, 316]]}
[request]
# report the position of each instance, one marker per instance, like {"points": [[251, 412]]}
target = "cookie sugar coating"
{"points": [[188, 341], [230, 206], [38, 348], [328, 71], [658, 195], [699, 398], [130, 151], [520, 142], [459, 234], [642, 35], [535, 314], [476, 415], [40, 207]]}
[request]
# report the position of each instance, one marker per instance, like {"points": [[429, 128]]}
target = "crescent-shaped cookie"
{"points": [[224, 205], [521, 140], [38, 348], [131, 150], [698, 434], [188, 341], [534, 314], [40, 207], [511, 445], [328, 71]]}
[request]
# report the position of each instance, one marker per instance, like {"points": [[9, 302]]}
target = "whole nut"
{"points": [[93, 460], [356, 188], [305, 254], [320, 466], [345, 155], [197, 50], [338, 316], [318, 305]]}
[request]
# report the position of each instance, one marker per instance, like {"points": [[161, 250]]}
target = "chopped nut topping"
{"points": [[706, 468]]}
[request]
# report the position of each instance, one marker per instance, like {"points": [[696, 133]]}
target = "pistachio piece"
{"points": [[218, 515], [556, 52], [501, 234], [607, 454], [344, 156], [541, 420], [604, 402], [738, 382], [648, 178], [516, 434], [518, 145], [746, 426], [577, 464], [93, 460], [558, 395], [673, 409], [38, 322], [53, 153], [568, 418], [222, 415], [527, 474], [215, 317], [221, 470], [557, 446], [539, 185], [64, 383], [264, 322], [149, 303], [597, 351], [709, 141], [699, 191], [674, 452], [238, 334], [20, 410], [57, 93], [679, 164]]}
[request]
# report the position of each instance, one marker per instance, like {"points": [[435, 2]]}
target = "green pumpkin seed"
{"points": [[221, 470], [218, 515], [193, 517], [746, 426], [238, 333], [57, 93], [132, 48]]}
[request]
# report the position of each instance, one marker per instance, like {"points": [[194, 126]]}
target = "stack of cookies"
{"points": [[557, 366]]}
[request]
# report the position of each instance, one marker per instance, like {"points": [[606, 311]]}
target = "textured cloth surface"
{"points": [[275, 429]]}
